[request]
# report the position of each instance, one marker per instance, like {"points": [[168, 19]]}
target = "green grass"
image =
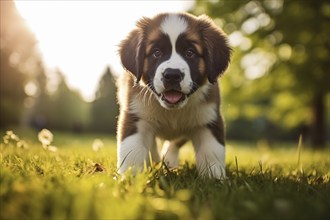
{"points": [[76, 182]]}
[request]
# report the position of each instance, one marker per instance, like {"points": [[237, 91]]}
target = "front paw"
{"points": [[170, 154], [215, 170], [131, 154]]}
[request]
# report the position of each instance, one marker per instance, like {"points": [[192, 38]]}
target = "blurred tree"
{"points": [[104, 110], [61, 109], [280, 69], [38, 101], [11, 93], [18, 55], [67, 110]]}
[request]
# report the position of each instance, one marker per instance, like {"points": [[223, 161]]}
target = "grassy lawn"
{"points": [[77, 182]]}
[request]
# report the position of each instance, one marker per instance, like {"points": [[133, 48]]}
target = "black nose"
{"points": [[172, 75]]}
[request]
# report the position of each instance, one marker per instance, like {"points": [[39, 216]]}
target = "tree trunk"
{"points": [[318, 129]]}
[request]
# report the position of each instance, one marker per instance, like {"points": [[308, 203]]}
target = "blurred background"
{"points": [[59, 63]]}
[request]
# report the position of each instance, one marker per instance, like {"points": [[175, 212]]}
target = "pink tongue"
{"points": [[172, 96]]}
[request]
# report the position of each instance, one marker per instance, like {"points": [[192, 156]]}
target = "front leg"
{"points": [[170, 151], [134, 149], [210, 154]]}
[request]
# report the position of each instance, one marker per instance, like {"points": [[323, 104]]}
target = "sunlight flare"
{"points": [[81, 37]]}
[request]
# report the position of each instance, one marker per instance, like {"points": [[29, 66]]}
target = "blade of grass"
{"points": [[299, 149], [236, 166]]}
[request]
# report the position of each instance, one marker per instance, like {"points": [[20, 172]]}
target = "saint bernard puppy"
{"points": [[171, 92]]}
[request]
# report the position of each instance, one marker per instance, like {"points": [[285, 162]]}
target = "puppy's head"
{"points": [[174, 55]]}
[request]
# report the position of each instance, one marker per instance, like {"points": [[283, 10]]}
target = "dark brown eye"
{"points": [[157, 53], [190, 53]]}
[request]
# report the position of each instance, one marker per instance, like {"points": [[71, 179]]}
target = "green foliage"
{"points": [[16, 48], [280, 68], [68, 110], [76, 182], [104, 109], [63, 109]]}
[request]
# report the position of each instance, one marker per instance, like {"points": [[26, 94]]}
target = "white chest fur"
{"points": [[174, 123]]}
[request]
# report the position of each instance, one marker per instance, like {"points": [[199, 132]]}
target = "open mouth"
{"points": [[173, 97]]}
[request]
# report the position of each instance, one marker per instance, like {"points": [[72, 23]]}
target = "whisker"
{"points": [[140, 93], [145, 95], [150, 96], [145, 92], [194, 85]]}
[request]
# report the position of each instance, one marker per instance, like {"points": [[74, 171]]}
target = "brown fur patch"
{"points": [[127, 120], [218, 130], [127, 125], [213, 94], [201, 66], [193, 36], [217, 126], [152, 36], [145, 78]]}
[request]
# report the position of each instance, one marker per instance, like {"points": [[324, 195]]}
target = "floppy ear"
{"points": [[217, 51], [132, 53], [132, 50]]}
